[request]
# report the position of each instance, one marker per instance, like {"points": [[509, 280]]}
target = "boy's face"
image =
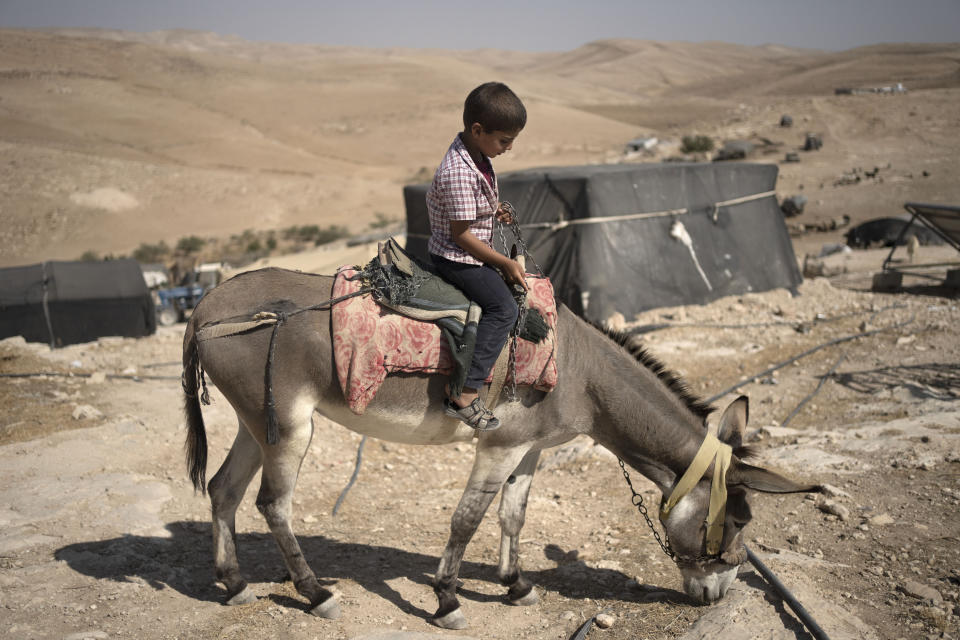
{"points": [[492, 143]]}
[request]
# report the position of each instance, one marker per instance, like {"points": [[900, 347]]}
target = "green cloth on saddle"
{"points": [[412, 288]]}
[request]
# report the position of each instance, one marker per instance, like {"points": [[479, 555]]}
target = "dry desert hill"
{"points": [[112, 139]]}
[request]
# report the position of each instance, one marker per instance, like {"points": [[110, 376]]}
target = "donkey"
{"points": [[623, 399]]}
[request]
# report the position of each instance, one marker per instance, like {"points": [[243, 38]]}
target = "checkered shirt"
{"points": [[460, 192]]}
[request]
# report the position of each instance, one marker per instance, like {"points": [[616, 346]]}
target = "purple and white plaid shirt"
{"points": [[460, 192]]}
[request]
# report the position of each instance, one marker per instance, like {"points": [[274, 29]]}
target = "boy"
{"points": [[463, 202]]}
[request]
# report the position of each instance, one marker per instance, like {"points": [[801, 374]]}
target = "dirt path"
{"points": [[102, 536]]}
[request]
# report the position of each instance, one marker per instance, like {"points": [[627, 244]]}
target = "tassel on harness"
{"points": [[269, 402]]}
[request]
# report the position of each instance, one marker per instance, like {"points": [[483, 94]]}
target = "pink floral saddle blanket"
{"points": [[370, 341]]}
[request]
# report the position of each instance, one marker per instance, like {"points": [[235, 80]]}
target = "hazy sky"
{"points": [[538, 25]]}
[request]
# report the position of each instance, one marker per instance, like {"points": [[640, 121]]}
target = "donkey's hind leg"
{"points": [[513, 508], [490, 469], [281, 466], [226, 491]]}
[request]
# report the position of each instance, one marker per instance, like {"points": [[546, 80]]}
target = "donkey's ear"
{"points": [[760, 479], [733, 422]]}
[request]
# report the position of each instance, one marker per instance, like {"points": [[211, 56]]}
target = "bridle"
{"points": [[711, 450]]}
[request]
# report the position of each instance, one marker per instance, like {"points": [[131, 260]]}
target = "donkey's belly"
{"points": [[406, 423]]}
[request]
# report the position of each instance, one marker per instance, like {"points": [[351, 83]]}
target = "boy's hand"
{"points": [[504, 214], [513, 273]]}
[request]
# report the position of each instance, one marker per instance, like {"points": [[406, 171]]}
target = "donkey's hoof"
{"points": [[453, 620], [527, 600], [328, 609], [245, 596]]}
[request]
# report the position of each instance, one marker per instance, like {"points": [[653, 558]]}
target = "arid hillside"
{"points": [[112, 139]]}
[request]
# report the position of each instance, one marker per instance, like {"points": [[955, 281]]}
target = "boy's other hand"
{"points": [[513, 273]]}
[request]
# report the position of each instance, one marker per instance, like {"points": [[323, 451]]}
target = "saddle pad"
{"points": [[370, 341]]}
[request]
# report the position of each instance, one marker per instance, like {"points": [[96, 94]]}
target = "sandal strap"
{"points": [[479, 412]]}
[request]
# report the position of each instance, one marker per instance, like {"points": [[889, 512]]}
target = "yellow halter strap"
{"points": [[711, 450]]}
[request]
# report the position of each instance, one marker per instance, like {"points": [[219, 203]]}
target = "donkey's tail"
{"points": [[196, 444]]}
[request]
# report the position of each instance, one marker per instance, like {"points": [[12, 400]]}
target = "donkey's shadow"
{"points": [[183, 562]]}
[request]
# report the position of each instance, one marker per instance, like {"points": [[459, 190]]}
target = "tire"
{"points": [[168, 317]]}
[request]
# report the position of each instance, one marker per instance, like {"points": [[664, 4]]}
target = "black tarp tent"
{"points": [[627, 238], [63, 303]]}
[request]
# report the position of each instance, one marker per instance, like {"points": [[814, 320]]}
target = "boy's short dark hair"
{"points": [[495, 107]]}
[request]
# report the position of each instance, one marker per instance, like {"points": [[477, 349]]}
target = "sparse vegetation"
{"points": [[316, 234], [382, 221], [190, 244], [90, 256], [696, 144], [147, 253]]}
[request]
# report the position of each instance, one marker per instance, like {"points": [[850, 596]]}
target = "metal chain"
{"points": [[519, 296], [664, 542], [637, 501], [515, 228]]}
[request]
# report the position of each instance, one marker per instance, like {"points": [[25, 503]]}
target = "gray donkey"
{"points": [[622, 398]]}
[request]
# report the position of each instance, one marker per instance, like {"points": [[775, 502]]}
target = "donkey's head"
{"points": [[709, 568]]}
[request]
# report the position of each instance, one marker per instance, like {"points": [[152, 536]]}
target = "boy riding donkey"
{"points": [[463, 202]]}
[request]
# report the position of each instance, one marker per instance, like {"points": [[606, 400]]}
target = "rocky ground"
{"points": [[102, 536]]}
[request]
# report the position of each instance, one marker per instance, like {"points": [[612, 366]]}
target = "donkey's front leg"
{"points": [[490, 469], [513, 508], [281, 466]]}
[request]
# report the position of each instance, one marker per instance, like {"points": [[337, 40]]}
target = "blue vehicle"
{"points": [[175, 304]]}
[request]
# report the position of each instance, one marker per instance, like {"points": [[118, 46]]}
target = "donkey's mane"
{"points": [[671, 379]]}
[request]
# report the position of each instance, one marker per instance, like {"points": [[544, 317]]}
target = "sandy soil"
{"points": [[102, 536]]}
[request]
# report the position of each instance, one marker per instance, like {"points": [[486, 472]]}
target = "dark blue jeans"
{"points": [[484, 285]]}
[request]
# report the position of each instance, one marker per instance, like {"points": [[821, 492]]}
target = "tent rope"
{"points": [[555, 226]]}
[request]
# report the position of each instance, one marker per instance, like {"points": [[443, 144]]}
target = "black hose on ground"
{"points": [[815, 630], [806, 353]]}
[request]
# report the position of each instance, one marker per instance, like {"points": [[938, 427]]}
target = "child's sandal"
{"points": [[475, 415]]}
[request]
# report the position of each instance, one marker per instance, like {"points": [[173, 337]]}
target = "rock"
{"points": [[880, 520], [86, 635], [98, 377], [833, 492], [86, 412], [309, 518], [921, 592], [605, 620], [831, 507], [616, 322]]}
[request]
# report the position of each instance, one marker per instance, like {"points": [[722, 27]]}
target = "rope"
{"points": [[46, 308], [353, 478], [561, 224]]}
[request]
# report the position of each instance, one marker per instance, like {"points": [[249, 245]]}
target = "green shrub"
{"points": [[331, 233], [382, 220], [151, 252], [190, 244], [696, 144], [90, 256]]}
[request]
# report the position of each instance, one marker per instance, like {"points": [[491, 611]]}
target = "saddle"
{"points": [[414, 321]]}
